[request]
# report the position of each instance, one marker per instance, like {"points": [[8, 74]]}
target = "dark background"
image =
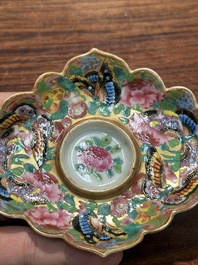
{"points": [[40, 36]]}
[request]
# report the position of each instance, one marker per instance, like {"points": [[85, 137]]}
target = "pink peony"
{"points": [[47, 183], [142, 92], [52, 220], [97, 158]]}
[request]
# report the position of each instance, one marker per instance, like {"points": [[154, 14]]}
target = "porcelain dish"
{"points": [[99, 155]]}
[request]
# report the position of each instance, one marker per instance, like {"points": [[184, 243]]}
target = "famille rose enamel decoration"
{"points": [[99, 155]]}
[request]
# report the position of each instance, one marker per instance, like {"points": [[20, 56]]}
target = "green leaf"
{"points": [[165, 104], [117, 222], [47, 167], [79, 167], [104, 111], [97, 175], [96, 140], [89, 142], [92, 108], [124, 120], [143, 75], [62, 111], [137, 107], [118, 108], [119, 73], [42, 87], [151, 78], [5, 174], [92, 205], [18, 171], [29, 123], [108, 148], [130, 77], [175, 167], [63, 188], [18, 146], [66, 84], [133, 213], [118, 161], [66, 206], [175, 94], [174, 142], [105, 140], [104, 209], [70, 199], [48, 103], [110, 173], [51, 207], [138, 200], [79, 148], [20, 156], [133, 229], [117, 168], [17, 162], [75, 71], [126, 112], [116, 148], [29, 167], [159, 85], [18, 205]]}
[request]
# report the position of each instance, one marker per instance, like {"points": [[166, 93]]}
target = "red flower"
{"points": [[119, 207], [97, 158], [77, 110]]}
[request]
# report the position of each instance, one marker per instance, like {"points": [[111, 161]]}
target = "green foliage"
{"points": [[42, 87], [18, 171], [47, 167], [66, 84], [29, 167], [105, 140], [62, 112], [104, 209]]}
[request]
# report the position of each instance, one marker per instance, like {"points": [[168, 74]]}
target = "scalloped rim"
{"points": [[172, 213]]}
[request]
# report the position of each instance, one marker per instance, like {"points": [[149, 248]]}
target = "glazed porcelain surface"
{"points": [[99, 154]]}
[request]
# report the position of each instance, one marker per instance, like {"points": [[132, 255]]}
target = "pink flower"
{"points": [[77, 110], [119, 207], [145, 133], [142, 92], [52, 220], [97, 158], [47, 183]]}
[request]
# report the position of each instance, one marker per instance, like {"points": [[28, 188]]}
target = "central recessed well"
{"points": [[97, 158]]}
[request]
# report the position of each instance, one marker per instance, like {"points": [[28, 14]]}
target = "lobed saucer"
{"points": [[99, 155]]}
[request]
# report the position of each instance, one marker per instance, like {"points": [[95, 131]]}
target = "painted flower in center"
{"points": [[97, 158]]}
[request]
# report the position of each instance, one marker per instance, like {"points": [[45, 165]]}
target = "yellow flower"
{"points": [[147, 211], [51, 99]]}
